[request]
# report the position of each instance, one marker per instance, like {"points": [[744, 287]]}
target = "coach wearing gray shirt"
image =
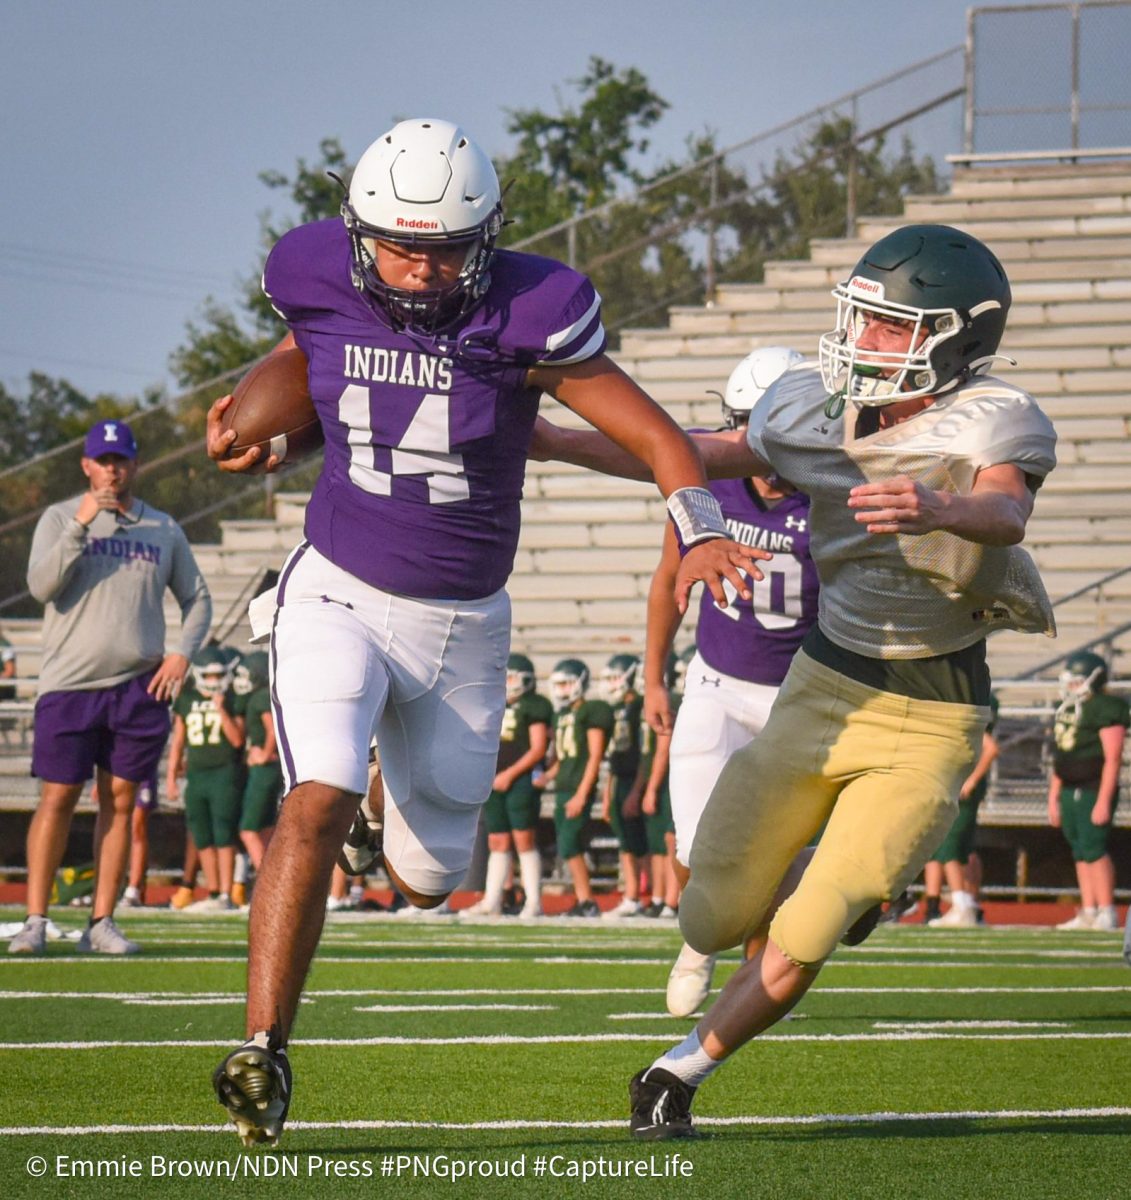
{"points": [[100, 564]]}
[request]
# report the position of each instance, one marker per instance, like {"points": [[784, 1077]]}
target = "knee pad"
{"points": [[834, 891]]}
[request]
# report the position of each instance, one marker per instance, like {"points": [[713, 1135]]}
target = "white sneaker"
{"points": [[667, 913], [626, 908], [336, 904], [32, 937], [963, 918], [689, 983], [1105, 919], [410, 910], [1081, 920], [481, 908], [104, 937], [531, 910], [213, 904]]}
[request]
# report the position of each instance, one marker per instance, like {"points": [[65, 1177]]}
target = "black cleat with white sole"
{"points": [[661, 1106], [254, 1084]]}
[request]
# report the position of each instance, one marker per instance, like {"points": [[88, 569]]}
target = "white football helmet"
{"points": [[750, 379], [424, 181]]}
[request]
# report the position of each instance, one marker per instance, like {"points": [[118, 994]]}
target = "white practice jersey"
{"points": [[909, 596]]}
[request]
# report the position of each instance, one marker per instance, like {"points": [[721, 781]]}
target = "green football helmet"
{"points": [[252, 672], [618, 677], [1084, 674], [520, 677], [211, 669], [569, 682], [948, 287]]}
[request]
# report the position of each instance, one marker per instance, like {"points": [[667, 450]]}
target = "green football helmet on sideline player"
{"points": [[1084, 674], [212, 670], [569, 682], [618, 677], [520, 677], [252, 672]]}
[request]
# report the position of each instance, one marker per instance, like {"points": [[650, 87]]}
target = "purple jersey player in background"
{"points": [[428, 351], [743, 651]]}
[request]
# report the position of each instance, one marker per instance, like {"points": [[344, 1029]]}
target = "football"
{"points": [[271, 408]]}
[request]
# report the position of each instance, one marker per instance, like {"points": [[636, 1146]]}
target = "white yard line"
{"points": [[507, 1039], [172, 997], [444, 1008], [872, 1118]]}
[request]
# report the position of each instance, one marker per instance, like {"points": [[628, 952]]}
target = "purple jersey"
{"points": [[426, 435], [756, 639]]}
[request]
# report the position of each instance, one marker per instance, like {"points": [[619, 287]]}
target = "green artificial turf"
{"points": [[979, 1063]]}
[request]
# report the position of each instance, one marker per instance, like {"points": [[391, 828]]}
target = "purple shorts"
{"points": [[121, 729], [148, 797]]}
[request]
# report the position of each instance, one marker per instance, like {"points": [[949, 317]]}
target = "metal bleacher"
{"points": [[589, 543]]}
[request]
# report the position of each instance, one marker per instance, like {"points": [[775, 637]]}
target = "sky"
{"points": [[134, 131]]}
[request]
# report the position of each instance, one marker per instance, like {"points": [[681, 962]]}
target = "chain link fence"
{"points": [[1043, 77]]}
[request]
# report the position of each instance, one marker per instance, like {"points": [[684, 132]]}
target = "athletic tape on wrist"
{"points": [[697, 516]]}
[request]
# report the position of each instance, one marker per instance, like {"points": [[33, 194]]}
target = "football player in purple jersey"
{"points": [[743, 651], [428, 350], [921, 469]]}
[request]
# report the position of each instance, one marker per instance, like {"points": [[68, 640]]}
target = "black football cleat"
{"points": [[254, 1084], [661, 1106], [862, 927]]}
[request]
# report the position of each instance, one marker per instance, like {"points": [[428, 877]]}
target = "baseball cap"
{"points": [[110, 437]]}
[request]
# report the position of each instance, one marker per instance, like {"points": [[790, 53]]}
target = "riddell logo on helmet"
{"points": [[416, 223], [869, 286]]}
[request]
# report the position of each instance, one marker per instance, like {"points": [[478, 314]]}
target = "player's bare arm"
{"points": [[725, 453], [663, 621], [994, 513], [217, 441], [608, 399]]}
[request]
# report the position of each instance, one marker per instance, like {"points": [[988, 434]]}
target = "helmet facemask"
{"points": [[954, 297], [519, 683], [618, 678], [566, 688], [1075, 687], [878, 377], [429, 310]]}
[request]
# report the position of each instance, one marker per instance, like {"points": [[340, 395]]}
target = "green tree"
{"points": [[809, 189], [224, 340], [567, 162]]}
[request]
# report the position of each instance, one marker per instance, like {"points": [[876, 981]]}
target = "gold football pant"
{"points": [[882, 770]]}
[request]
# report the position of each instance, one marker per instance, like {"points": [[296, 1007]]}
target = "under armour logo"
{"points": [[716, 682], [798, 523]]}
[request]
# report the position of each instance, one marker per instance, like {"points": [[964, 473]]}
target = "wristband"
{"points": [[697, 516]]}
